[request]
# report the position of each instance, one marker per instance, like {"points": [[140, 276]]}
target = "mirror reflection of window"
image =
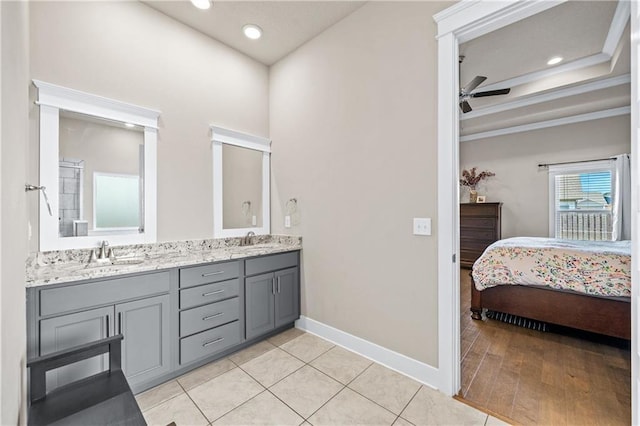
{"points": [[95, 147], [115, 201], [241, 187]]}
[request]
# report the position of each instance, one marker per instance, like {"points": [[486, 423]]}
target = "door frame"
{"points": [[462, 22], [635, 208]]}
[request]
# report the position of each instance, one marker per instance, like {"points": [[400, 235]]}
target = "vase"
{"points": [[473, 196]]}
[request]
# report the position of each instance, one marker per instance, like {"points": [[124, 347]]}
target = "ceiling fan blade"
{"points": [[465, 107], [490, 93], [477, 81]]}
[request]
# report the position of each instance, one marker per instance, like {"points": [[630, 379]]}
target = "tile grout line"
{"points": [[194, 403], [408, 403], [378, 404], [161, 402]]}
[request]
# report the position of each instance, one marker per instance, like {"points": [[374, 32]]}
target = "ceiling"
{"points": [[593, 39], [591, 36], [286, 25]]}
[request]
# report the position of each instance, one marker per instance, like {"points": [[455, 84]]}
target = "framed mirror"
{"points": [[98, 164], [241, 173]]}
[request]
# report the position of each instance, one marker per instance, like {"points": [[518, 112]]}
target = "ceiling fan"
{"points": [[467, 93]]}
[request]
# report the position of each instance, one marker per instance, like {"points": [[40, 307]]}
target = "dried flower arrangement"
{"points": [[471, 179]]}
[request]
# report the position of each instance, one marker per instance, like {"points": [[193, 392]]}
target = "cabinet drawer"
{"points": [[209, 293], [209, 342], [274, 262], [103, 292], [477, 222], [209, 316], [209, 273]]}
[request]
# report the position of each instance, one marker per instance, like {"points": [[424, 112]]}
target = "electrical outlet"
{"points": [[254, 220], [287, 221], [421, 226]]}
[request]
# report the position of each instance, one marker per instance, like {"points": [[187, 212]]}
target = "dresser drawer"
{"points": [[209, 342], [209, 273], [475, 245], [196, 296], [275, 262], [479, 209], [477, 222], [478, 234], [209, 316], [104, 292]]}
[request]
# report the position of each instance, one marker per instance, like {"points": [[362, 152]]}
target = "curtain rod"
{"points": [[574, 162]]}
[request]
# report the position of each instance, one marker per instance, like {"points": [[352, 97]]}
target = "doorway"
{"points": [[458, 24]]}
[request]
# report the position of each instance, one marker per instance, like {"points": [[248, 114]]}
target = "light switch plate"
{"points": [[254, 220], [287, 221], [421, 226]]}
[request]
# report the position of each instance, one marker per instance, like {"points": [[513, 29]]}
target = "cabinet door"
{"points": [[145, 348], [71, 330], [259, 291], [287, 296]]}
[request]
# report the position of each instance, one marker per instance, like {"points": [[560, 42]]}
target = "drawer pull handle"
{"points": [[211, 293], [213, 342], [212, 273], [212, 316]]}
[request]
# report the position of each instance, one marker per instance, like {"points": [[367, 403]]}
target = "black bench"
{"points": [[101, 399]]}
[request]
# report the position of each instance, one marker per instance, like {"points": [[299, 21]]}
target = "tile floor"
{"points": [[296, 378]]}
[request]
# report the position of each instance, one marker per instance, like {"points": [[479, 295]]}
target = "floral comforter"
{"points": [[601, 268]]}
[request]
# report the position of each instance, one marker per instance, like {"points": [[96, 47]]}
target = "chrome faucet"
{"points": [[103, 255], [104, 250], [246, 240]]}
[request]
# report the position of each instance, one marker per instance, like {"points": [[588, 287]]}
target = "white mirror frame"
{"points": [[53, 98], [221, 136]]}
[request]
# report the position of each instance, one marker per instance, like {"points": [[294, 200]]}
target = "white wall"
{"points": [[353, 129], [14, 134], [130, 52], [520, 185]]}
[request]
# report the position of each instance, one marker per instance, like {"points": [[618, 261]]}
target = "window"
{"points": [[116, 202], [581, 200]]}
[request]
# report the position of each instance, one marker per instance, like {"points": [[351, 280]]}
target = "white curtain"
{"points": [[622, 198]]}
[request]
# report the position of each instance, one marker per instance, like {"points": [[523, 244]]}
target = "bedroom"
{"points": [[577, 115]]}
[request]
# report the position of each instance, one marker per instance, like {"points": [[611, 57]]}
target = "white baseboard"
{"points": [[423, 373]]}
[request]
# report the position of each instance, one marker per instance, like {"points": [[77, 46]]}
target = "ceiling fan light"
{"points": [[555, 60], [201, 4], [252, 31]]}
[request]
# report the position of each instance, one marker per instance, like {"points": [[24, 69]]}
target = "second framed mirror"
{"points": [[241, 174]]}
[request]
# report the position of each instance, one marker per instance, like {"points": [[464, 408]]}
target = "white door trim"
{"points": [[635, 209], [462, 22]]}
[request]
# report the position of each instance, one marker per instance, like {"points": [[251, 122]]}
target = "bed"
{"points": [[580, 284]]}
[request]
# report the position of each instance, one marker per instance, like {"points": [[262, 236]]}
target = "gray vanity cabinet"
{"points": [[172, 320], [146, 345], [69, 315], [287, 297], [272, 299], [260, 303], [70, 330]]}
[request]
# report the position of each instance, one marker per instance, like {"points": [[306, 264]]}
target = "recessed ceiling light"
{"points": [[129, 125], [252, 31], [201, 4], [555, 60]]}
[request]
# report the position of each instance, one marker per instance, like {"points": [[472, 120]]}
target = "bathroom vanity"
{"points": [[193, 307]]}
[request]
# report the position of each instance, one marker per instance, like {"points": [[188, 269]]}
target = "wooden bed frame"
{"points": [[595, 314]]}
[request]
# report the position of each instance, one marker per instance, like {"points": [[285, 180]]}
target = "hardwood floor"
{"points": [[559, 377]]}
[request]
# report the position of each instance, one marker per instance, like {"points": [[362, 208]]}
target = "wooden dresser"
{"points": [[479, 227]]}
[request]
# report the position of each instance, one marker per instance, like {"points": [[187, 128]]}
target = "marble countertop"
{"points": [[45, 268]]}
